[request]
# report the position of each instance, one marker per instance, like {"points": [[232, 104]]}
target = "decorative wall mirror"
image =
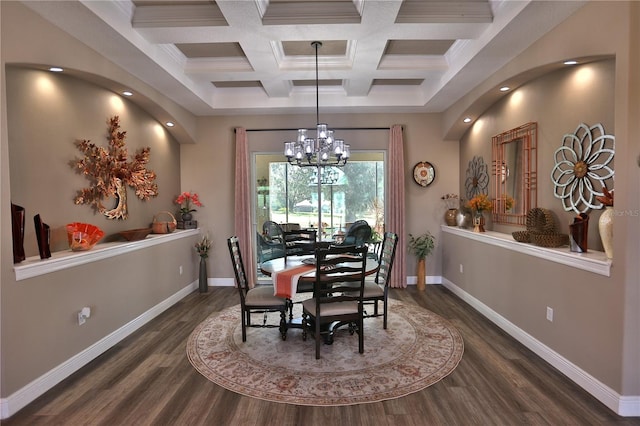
{"points": [[514, 161]]}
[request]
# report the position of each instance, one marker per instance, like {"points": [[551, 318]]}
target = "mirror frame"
{"points": [[527, 136]]}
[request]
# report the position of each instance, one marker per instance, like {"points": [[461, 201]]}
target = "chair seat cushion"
{"points": [[331, 309], [262, 295], [371, 289]]}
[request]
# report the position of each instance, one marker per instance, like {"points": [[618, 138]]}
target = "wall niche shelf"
{"points": [[34, 266], [592, 261]]}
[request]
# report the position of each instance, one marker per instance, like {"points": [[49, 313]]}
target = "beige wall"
{"points": [[42, 116], [596, 318], [208, 167]]}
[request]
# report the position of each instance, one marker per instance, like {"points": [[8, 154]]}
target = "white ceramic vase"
{"points": [[605, 226]]}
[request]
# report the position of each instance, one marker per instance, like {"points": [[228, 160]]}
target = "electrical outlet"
{"points": [[549, 314], [461, 269], [83, 315], [180, 269]]}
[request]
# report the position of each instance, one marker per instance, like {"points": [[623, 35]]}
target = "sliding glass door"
{"points": [[288, 194]]}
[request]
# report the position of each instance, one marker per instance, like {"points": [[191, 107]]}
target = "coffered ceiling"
{"points": [[255, 56]]}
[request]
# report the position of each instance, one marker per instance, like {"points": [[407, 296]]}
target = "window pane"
{"points": [[288, 194]]}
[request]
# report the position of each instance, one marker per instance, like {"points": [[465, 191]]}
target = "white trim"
{"points": [[221, 282], [622, 405], [34, 266], [592, 261], [19, 399]]}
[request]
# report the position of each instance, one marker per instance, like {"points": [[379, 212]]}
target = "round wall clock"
{"points": [[424, 173]]}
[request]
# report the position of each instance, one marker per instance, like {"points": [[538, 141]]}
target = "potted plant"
{"points": [[421, 246], [202, 248], [186, 201]]}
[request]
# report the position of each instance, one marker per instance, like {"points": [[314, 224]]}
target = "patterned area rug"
{"points": [[418, 349]]}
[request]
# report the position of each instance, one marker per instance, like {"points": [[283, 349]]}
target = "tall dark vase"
{"points": [[17, 229], [43, 234], [203, 286], [578, 233]]}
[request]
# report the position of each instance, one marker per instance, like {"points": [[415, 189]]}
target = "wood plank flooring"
{"points": [[147, 380]]}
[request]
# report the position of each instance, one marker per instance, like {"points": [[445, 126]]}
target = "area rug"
{"points": [[418, 349]]}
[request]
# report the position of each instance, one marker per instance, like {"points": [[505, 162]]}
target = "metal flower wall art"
{"points": [[477, 179], [110, 171], [583, 167]]}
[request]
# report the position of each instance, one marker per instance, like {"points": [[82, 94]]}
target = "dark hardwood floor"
{"points": [[147, 379]]}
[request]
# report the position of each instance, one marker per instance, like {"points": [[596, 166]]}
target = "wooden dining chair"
{"points": [[338, 270], [258, 300], [299, 242], [376, 287]]}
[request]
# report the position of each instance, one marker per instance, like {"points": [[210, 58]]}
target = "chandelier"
{"points": [[324, 149]]}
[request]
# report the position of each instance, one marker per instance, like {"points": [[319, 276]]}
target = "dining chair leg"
{"points": [[318, 338], [244, 327], [385, 312], [305, 326], [283, 324], [361, 335]]}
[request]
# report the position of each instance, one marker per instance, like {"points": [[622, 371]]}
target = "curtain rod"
{"points": [[333, 128]]}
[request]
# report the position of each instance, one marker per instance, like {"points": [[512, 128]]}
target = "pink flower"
{"points": [[185, 201]]}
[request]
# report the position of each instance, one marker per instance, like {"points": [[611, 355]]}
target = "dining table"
{"points": [[299, 273], [296, 274]]}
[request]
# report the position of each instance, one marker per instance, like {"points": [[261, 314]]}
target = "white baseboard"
{"points": [[19, 399], [628, 406]]}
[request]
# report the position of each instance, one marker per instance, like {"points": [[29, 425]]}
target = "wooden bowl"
{"points": [[135, 234]]}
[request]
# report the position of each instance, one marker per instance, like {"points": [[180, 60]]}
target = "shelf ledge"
{"points": [[592, 261], [34, 266]]}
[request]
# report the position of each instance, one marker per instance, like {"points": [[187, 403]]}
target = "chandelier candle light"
{"points": [[320, 152]]}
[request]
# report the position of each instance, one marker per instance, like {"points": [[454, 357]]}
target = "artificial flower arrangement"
{"points": [[203, 247], [509, 202], [423, 245], [607, 198], [187, 200], [479, 203], [451, 201]]}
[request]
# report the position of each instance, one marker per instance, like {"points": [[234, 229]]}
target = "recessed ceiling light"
{"points": [[56, 69], [504, 88], [127, 93], [570, 62], [467, 120], [169, 124]]}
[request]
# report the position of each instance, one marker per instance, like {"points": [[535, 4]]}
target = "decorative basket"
{"points": [[540, 221], [135, 234], [550, 240], [522, 236], [83, 236], [161, 227]]}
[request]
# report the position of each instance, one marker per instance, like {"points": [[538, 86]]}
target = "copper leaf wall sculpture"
{"points": [[110, 171]]}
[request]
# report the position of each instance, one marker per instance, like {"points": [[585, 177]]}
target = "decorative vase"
{"points": [[579, 233], [186, 217], [478, 222], [203, 286], [17, 230], [463, 219], [450, 217], [605, 226], [422, 274], [43, 235]]}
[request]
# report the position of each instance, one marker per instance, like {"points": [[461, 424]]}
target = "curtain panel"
{"points": [[243, 203], [396, 202]]}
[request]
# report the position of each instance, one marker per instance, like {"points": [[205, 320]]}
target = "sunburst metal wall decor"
{"points": [[477, 178], [582, 168]]}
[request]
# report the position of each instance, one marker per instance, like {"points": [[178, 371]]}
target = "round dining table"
{"points": [[305, 284], [279, 264]]}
